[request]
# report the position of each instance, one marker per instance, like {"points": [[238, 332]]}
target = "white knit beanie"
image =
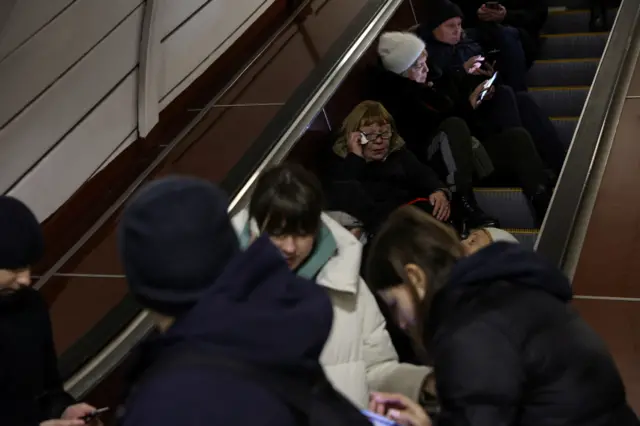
{"points": [[500, 235], [399, 51]]}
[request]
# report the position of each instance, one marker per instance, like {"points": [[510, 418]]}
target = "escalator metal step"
{"points": [[527, 237], [571, 21], [560, 101], [563, 72], [573, 46], [509, 205], [569, 4], [565, 127]]}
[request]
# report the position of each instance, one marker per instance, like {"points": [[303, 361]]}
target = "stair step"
{"points": [[509, 205], [569, 4], [571, 72], [565, 127], [573, 46], [527, 237], [572, 21], [561, 101]]}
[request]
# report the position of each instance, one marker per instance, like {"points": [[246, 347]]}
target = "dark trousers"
{"points": [[450, 154], [511, 62], [516, 160], [507, 110]]}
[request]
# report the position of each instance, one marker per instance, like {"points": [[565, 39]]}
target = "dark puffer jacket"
{"points": [[509, 349]]}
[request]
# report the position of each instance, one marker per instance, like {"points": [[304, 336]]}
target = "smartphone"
{"points": [[88, 418], [492, 56], [493, 5], [377, 419], [487, 86]]}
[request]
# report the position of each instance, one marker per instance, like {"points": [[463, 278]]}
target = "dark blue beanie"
{"points": [[175, 239], [21, 241]]}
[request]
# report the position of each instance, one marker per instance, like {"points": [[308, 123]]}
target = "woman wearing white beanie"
{"points": [[435, 119], [483, 237], [425, 120]]}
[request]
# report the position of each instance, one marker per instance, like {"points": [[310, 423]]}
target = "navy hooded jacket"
{"points": [[508, 348], [257, 311]]}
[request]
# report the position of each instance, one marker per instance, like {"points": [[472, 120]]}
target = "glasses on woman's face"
{"points": [[385, 136]]}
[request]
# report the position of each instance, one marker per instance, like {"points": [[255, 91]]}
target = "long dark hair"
{"points": [[411, 236]]}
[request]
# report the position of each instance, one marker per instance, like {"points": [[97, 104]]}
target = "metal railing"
{"points": [[115, 352], [565, 225]]}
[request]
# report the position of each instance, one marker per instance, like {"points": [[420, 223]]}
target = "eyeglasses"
{"points": [[385, 136]]}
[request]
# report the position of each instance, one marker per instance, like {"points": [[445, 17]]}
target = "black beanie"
{"points": [[175, 239], [21, 241], [440, 12]]}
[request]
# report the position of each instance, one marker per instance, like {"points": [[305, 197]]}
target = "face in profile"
{"points": [[420, 70], [476, 240], [403, 299], [11, 280], [378, 140], [295, 248], [449, 32]]}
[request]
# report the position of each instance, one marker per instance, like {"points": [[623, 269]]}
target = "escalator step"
{"points": [[527, 237], [557, 72], [573, 46], [509, 205], [571, 21], [569, 4], [565, 127], [560, 101]]}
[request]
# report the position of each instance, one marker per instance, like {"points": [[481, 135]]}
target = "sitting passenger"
{"points": [[513, 26], [507, 347], [419, 109], [359, 357], [371, 172], [425, 119], [235, 327], [458, 65]]}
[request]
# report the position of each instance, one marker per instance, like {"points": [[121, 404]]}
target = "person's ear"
{"points": [[417, 278]]}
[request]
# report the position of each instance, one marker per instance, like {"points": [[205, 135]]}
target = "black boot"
{"points": [[540, 202], [598, 20], [472, 216]]}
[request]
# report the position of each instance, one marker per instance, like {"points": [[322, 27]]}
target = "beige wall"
{"points": [[82, 79]]}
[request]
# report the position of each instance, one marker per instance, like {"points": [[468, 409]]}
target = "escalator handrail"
{"points": [[587, 144], [114, 353]]}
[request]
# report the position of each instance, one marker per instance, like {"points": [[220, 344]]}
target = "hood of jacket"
{"points": [[335, 260], [498, 262], [258, 311]]}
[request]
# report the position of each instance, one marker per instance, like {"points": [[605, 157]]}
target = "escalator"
{"points": [[299, 88], [559, 82]]}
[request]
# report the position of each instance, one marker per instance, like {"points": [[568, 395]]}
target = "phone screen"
{"points": [[487, 86], [95, 414], [493, 5], [378, 420]]}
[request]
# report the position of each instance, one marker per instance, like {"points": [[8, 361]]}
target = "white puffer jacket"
{"points": [[358, 357]]}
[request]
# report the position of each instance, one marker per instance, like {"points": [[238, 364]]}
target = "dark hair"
{"points": [[412, 236], [287, 199]]}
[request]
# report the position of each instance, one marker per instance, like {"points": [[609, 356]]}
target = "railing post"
{"points": [[149, 69]]}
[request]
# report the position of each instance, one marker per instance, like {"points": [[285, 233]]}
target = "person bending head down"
{"points": [[481, 238], [286, 205], [404, 54], [498, 326]]}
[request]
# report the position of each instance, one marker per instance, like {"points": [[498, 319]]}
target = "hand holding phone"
{"points": [[88, 418], [487, 86], [494, 5]]}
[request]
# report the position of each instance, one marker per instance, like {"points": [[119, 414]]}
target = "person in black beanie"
{"points": [[31, 393], [184, 264]]}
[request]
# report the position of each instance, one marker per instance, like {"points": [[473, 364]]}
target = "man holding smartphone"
{"points": [[500, 24], [32, 393]]}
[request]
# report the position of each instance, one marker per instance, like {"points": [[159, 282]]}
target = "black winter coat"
{"points": [[417, 109], [509, 349], [370, 191], [30, 386]]}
